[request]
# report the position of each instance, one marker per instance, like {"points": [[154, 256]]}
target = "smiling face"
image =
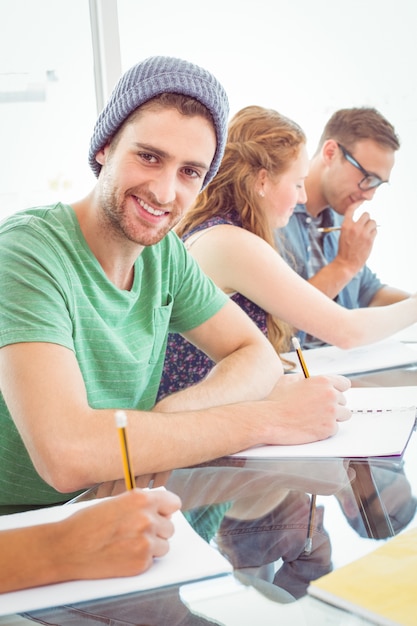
{"points": [[284, 192], [340, 177], [152, 172]]}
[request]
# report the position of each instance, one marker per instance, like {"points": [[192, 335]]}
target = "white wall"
{"points": [[305, 58], [44, 143]]}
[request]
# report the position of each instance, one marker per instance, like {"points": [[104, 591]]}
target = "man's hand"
{"points": [[356, 240], [307, 409]]}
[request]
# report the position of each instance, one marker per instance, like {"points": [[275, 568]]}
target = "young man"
{"points": [[354, 157], [89, 292]]}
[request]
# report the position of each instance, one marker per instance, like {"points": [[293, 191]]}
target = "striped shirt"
{"points": [[54, 290]]}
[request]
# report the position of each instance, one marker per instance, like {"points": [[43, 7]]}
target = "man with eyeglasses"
{"points": [[322, 241]]}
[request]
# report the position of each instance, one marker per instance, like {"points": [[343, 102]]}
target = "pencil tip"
{"points": [[308, 546], [295, 343]]}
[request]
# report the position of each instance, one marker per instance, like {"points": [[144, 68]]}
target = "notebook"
{"points": [[189, 558], [380, 586], [383, 419], [376, 356], [408, 335]]}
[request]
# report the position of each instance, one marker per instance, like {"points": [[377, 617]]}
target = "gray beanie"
{"points": [[150, 78]]}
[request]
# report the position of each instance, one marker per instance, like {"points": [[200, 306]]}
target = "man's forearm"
{"points": [[246, 375], [388, 295], [332, 278]]}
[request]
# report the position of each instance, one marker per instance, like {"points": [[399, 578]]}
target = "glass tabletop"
{"points": [[281, 523]]}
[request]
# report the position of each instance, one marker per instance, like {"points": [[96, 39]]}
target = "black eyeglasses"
{"points": [[369, 181]]}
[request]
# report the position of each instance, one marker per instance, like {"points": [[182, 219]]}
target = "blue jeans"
{"points": [[280, 534]]}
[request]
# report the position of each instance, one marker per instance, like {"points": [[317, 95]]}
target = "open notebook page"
{"points": [[383, 419], [189, 558], [377, 356]]}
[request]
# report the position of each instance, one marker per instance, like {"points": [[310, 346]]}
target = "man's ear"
{"points": [[329, 150], [101, 155]]}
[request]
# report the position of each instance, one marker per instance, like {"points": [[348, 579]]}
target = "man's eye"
{"points": [[189, 171], [147, 157]]}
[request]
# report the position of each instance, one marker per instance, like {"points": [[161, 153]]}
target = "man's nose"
{"points": [[164, 188], [368, 194]]}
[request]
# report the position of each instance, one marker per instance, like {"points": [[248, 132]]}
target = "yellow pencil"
{"points": [[331, 229], [328, 229], [309, 541], [297, 348], [121, 423]]}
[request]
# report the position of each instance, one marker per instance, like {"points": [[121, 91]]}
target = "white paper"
{"points": [[376, 356], [376, 398], [408, 335], [381, 428], [189, 558]]}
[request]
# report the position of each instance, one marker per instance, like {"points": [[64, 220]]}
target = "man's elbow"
{"points": [[63, 471]]}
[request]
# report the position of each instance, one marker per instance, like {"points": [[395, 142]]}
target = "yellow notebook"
{"points": [[381, 586]]}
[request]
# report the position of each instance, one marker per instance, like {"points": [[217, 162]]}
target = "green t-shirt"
{"points": [[54, 290]]}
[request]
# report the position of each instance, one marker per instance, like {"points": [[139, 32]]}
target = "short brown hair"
{"points": [[348, 126]]}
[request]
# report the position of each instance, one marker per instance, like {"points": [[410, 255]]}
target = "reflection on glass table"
{"points": [[257, 512]]}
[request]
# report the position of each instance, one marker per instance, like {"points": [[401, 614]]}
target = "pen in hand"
{"points": [[328, 229], [309, 541], [121, 423], [331, 229]]}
